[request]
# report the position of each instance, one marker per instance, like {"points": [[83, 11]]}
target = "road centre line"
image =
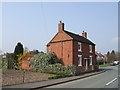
{"points": [[111, 81]]}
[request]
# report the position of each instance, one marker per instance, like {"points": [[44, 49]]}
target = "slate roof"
{"points": [[79, 38]]}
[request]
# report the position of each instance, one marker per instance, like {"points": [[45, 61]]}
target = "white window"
{"points": [[90, 47], [90, 60], [79, 47], [79, 60]]}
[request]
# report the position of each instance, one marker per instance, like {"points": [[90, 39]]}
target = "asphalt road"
{"points": [[108, 79]]}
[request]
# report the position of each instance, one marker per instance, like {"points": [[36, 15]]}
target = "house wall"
{"points": [[26, 62], [75, 53], [67, 52], [61, 36], [85, 54], [63, 50]]}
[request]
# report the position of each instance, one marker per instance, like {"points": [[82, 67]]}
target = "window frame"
{"points": [[91, 59], [79, 60], [79, 43], [90, 48]]}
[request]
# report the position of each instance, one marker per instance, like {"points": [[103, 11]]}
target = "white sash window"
{"points": [[79, 60], [79, 47], [90, 47], [90, 60]]}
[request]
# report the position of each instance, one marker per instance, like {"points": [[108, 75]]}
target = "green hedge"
{"points": [[48, 62]]}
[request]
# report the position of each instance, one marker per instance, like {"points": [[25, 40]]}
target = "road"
{"points": [[108, 79]]}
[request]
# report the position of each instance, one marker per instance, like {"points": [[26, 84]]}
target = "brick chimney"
{"points": [[84, 34], [60, 27]]}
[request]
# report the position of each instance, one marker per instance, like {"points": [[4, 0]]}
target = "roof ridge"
{"points": [[71, 32], [78, 37]]}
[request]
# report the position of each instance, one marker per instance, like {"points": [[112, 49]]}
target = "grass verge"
{"points": [[59, 75], [103, 65]]}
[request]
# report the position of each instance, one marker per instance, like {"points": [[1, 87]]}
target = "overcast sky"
{"points": [[35, 24]]}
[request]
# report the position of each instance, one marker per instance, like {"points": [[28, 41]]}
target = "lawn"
{"points": [[10, 77], [104, 65]]}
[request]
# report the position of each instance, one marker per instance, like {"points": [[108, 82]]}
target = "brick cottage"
{"points": [[73, 49]]}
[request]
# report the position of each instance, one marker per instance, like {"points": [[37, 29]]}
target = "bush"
{"points": [[48, 62], [4, 64], [52, 58], [58, 68], [100, 62], [41, 60]]}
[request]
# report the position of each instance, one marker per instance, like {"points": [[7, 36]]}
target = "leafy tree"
{"points": [[10, 60], [17, 52], [35, 52], [113, 52], [111, 56], [108, 53], [18, 49], [118, 55]]}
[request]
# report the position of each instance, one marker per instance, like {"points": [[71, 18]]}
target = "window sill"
{"points": [[79, 50], [79, 65]]}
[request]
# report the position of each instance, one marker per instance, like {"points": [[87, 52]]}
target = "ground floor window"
{"points": [[90, 60], [79, 60]]}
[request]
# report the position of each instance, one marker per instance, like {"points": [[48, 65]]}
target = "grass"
{"points": [[103, 65], [59, 75]]}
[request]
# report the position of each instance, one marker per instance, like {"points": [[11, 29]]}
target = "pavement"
{"points": [[47, 83]]}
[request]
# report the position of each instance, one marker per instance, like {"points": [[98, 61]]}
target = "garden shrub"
{"points": [[4, 63], [100, 62], [48, 63]]}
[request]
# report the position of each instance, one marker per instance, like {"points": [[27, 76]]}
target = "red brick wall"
{"points": [[61, 36], [85, 54], [63, 50], [75, 53], [26, 61], [67, 51]]}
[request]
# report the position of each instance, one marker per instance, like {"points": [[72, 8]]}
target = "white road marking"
{"points": [[111, 81]]}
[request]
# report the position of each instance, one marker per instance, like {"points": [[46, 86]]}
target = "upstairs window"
{"points": [[90, 47], [79, 47], [79, 60]]}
